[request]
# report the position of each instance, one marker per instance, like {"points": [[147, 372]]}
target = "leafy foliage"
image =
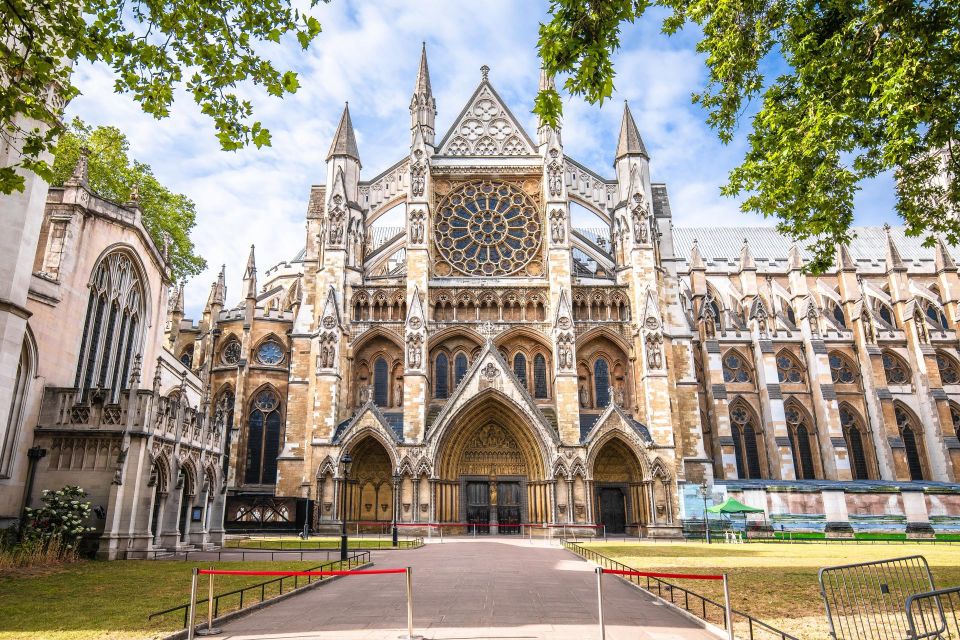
{"points": [[868, 87], [168, 216], [209, 47], [62, 517]]}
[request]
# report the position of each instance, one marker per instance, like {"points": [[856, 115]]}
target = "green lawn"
{"points": [[776, 583], [109, 600]]}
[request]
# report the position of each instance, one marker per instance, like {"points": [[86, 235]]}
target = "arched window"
{"points": [[440, 375], [539, 376], [788, 369], [836, 312], [231, 352], [735, 368], [381, 383], [263, 438], [895, 369], [186, 357], [520, 368], [853, 436], [745, 441], [955, 418], [886, 314], [935, 315], [949, 372], [841, 369], [800, 443], [601, 383], [910, 435], [111, 332], [223, 421], [459, 368], [11, 426], [791, 316]]}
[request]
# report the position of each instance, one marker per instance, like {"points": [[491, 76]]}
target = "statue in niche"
{"points": [[557, 226], [416, 227], [415, 351], [398, 393], [640, 231], [584, 396], [418, 177], [555, 174], [654, 351], [565, 349]]}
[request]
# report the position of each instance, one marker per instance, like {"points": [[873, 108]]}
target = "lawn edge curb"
{"points": [[233, 615]]}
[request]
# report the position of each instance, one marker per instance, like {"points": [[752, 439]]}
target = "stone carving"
{"points": [[328, 351], [415, 351], [492, 450], [565, 344], [708, 317], [555, 174], [654, 343], [336, 216], [491, 371], [639, 211], [398, 393], [759, 313], [418, 176], [417, 217], [558, 230], [584, 396], [920, 323], [486, 129]]}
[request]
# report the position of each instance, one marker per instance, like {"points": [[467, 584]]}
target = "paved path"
{"points": [[466, 590]]}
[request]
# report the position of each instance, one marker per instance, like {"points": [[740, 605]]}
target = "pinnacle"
{"points": [[344, 140], [422, 86], [630, 143]]}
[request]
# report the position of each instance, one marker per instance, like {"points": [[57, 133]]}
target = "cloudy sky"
{"points": [[368, 55]]}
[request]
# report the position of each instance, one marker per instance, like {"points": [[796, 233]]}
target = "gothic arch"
{"points": [[133, 255], [589, 206], [326, 466], [910, 429], [560, 469], [161, 466], [357, 436], [749, 440], [271, 337], [859, 442], [617, 434], [466, 332], [372, 333]]}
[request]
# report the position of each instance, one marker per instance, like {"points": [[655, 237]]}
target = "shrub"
{"points": [[62, 519]]}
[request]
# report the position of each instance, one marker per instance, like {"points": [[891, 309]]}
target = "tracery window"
{"points": [[791, 316], [520, 368], [853, 436], [440, 373], [263, 438], [270, 353], [745, 446], [186, 357], [886, 314], [539, 376], [231, 352], [800, 443], [909, 433], [895, 369], [14, 419], [735, 368], [459, 368], [381, 386], [836, 312], [111, 333], [955, 418], [488, 228], [935, 315], [788, 369], [223, 421], [949, 373], [601, 383], [841, 369]]}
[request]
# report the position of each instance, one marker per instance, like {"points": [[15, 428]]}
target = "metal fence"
{"points": [[935, 614], [702, 607], [255, 593], [318, 545], [866, 600]]}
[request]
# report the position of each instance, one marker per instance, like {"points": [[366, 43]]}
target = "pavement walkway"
{"points": [[465, 590]]}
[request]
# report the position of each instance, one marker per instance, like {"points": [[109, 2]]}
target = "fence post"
{"points": [[603, 631], [409, 603], [210, 630], [726, 607], [192, 617]]}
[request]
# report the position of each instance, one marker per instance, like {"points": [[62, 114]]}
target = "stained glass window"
{"points": [[231, 352], [520, 368], [841, 370], [746, 440], [851, 433], [263, 439], [460, 368], [539, 376], [601, 382], [949, 374], [381, 388], [909, 434], [895, 369], [800, 445], [186, 358], [270, 353], [735, 369], [788, 369], [441, 374]]}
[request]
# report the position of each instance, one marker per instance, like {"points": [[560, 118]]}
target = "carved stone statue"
{"points": [[555, 174], [557, 226], [398, 393], [640, 231], [416, 226], [415, 351], [418, 177], [584, 397], [654, 350]]}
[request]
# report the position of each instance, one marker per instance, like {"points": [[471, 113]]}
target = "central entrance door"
{"points": [[508, 508], [478, 506], [612, 509]]}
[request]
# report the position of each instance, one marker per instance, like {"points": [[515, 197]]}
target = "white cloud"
{"points": [[368, 55]]}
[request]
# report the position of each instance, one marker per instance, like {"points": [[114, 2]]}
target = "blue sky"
{"points": [[368, 55]]}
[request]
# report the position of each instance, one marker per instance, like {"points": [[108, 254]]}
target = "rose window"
{"points": [[488, 229]]}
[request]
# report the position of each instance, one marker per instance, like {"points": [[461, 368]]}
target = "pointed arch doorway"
{"points": [[491, 470]]}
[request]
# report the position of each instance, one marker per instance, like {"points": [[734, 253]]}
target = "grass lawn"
{"points": [[776, 583], [109, 600], [295, 544]]}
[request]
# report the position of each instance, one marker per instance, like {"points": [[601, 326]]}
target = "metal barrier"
{"points": [[318, 545], [865, 600], [934, 614], [698, 605], [211, 612], [355, 560]]}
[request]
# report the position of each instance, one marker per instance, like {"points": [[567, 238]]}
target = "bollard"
{"points": [[604, 532], [726, 607], [193, 604], [210, 630], [603, 632], [409, 603]]}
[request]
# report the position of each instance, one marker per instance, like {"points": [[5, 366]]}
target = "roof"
{"points": [[721, 246]]}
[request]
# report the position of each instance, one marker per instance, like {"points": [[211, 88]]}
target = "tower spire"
{"points": [[423, 106], [344, 140], [630, 143], [250, 276], [894, 261]]}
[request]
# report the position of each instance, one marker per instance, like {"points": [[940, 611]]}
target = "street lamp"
{"points": [[396, 495], [347, 462], [704, 491], [309, 517]]}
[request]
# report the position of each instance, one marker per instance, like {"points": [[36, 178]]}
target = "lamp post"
{"points": [[704, 491], [309, 517], [396, 495], [345, 499]]}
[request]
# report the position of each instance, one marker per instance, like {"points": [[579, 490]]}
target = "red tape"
{"points": [[358, 572], [650, 574]]}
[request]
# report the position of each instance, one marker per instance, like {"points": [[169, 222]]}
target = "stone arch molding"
{"points": [[368, 422], [614, 426]]}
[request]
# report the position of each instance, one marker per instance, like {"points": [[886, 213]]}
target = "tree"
{"points": [[113, 175], [863, 87], [208, 47]]}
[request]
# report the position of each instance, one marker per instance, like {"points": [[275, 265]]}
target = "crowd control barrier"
{"points": [[478, 529], [211, 630], [660, 576]]}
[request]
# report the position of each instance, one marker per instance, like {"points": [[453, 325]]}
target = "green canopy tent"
{"points": [[730, 506]]}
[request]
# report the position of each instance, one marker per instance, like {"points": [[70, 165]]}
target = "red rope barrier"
{"points": [[357, 572], [650, 574]]}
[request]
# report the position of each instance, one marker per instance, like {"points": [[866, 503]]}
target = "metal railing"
{"points": [[934, 614], [238, 554], [700, 606], [319, 545], [262, 588]]}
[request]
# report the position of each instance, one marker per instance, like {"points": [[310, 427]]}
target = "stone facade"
{"points": [[490, 362]]}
